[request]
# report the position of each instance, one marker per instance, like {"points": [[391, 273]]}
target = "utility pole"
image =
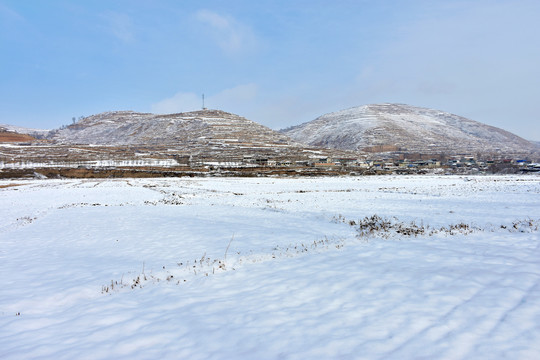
{"points": [[203, 102]]}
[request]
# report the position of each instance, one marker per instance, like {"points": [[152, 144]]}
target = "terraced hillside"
{"points": [[200, 140], [210, 127]]}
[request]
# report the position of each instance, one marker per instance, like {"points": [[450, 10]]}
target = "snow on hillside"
{"points": [[411, 128], [262, 268], [196, 127]]}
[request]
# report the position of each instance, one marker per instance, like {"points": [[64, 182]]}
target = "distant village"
{"points": [[46, 160], [364, 164]]}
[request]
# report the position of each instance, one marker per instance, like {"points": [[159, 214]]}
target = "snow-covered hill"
{"points": [[197, 128], [386, 127], [196, 139]]}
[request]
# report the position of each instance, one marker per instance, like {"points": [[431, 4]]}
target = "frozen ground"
{"points": [[271, 268]]}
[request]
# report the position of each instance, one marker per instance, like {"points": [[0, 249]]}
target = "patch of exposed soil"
{"points": [[9, 185], [6, 136]]}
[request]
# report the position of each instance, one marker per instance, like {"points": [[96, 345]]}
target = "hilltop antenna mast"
{"points": [[203, 102]]}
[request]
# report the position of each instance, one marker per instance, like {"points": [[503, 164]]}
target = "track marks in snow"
{"points": [[450, 325], [485, 305]]}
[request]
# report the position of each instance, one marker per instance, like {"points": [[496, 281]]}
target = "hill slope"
{"points": [[11, 136], [197, 127], [387, 127], [34, 133]]}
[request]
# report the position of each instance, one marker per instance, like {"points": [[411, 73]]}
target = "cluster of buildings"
{"points": [[451, 164]]}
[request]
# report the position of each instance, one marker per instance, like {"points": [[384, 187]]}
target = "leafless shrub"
{"points": [[377, 226], [374, 224], [527, 225]]}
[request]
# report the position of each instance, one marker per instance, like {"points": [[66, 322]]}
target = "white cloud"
{"points": [[230, 35], [179, 102], [239, 96], [119, 25], [234, 100]]}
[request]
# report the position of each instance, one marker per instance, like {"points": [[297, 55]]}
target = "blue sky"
{"points": [[279, 63]]}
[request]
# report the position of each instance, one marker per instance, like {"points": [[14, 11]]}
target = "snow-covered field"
{"points": [[266, 268]]}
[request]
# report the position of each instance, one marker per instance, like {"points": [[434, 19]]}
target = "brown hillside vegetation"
{"points": [[7, 136]]}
